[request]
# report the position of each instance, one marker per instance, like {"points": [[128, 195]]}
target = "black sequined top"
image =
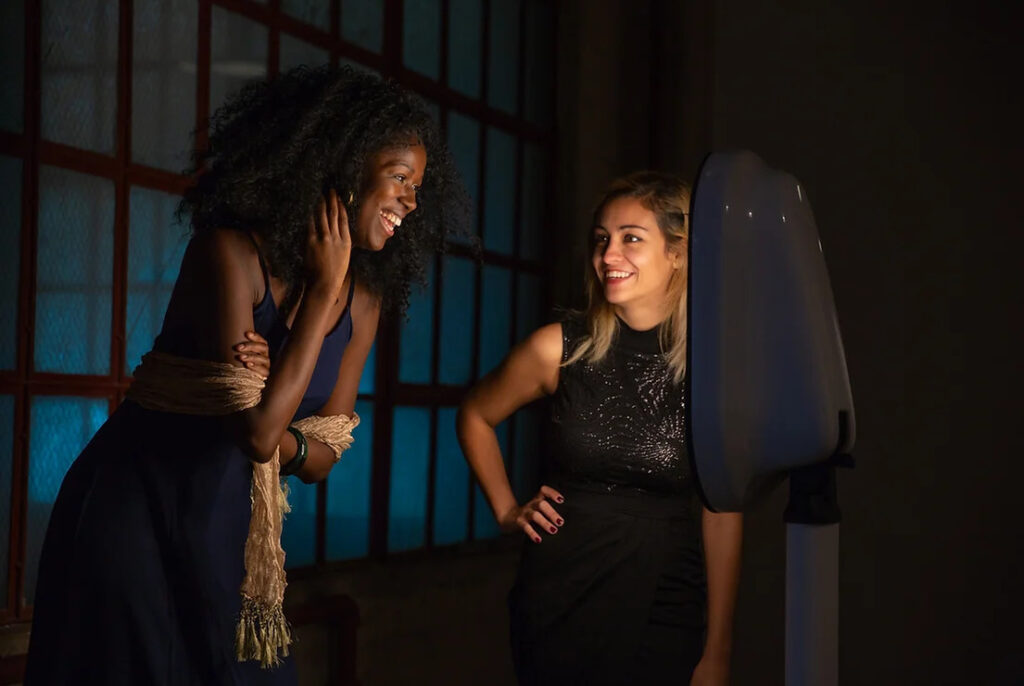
{"points": [[619, 425]]}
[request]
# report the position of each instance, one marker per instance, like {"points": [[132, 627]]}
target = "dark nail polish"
{"points": [[553, 530], [561, 500], [559, 522]]}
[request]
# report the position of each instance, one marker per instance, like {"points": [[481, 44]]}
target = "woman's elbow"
{"points": [[313, 474], [465, 418], [259, 449]]}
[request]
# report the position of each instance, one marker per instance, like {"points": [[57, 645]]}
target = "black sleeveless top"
{"points": [[619, 425]]}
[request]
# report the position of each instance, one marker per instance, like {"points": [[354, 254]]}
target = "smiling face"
{"points": [[391, 178], [631, 258]]}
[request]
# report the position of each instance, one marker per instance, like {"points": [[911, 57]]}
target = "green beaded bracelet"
{"points": [[300, 455]]}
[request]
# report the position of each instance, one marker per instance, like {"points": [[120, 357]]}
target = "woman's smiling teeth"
{"points": [[390, 220], [612, 276]]}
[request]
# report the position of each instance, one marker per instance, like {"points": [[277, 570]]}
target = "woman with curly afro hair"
{"points": [[319, 199]]}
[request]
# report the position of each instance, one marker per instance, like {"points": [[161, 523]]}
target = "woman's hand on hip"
{"points": [[329, 247], [535, 514]]}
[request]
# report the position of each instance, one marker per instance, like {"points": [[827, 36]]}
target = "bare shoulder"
{"points": [[223, 253], [539, 357], [546, 344]]}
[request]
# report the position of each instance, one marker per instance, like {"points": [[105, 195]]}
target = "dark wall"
{"points": [[904, 128]]}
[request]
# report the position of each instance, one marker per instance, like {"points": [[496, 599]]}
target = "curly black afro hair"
{"points": [[277, 146]]}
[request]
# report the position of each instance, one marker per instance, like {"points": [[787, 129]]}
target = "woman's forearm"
{"points": [[264, 425], [723, 537], [320, 458], [480, 446]]}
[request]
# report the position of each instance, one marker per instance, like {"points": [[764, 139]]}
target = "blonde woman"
{"points": [[627, 580]]}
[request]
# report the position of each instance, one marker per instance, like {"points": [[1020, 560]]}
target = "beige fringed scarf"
{"points": [[175, 384]]}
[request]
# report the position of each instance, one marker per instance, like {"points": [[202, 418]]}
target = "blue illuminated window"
{"points": [[107, 176], [417, 339], [421, 29], [362, 23], [457, 321], [60, 429], [407, 500], [495, 317], [348, 493], [74, 272], [499, 205], [10, 254], [6, 467], [156, 246], [451, 478]]}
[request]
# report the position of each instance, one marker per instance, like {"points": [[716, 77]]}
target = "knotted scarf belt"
{"points": [[168, 383]]}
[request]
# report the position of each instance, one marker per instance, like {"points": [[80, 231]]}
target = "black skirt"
{"points": [[617, 596]]}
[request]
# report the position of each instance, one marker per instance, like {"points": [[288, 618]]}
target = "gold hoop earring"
{"points": [[351, 197]]}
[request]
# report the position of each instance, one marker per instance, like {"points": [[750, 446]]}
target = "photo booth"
{"points": [[769, 394]]}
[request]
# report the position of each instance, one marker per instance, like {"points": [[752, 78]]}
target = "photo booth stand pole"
{"points": [[812, 575]]}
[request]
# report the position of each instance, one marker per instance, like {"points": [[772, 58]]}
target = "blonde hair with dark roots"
{"points": [[668, 197]]}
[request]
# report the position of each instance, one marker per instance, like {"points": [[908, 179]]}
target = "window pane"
{"points": [[539, 93], [434, 110], [6, 465], [484, 524], [417, 339], [315, 12], [10, 256], [451, 483], [295, 52], [503, 56], [12, 57], [369, 371], [362, 23], [74, 266], [495, 322], [164, 82], [410, 456], [421, 37], [238, 54], [348, 493], [464, 144], [298, 535], [499, 204], [530, 305], [465, 28], [534, 201], [358, 66], [79, 73], [60, 429], [156, 246], [457, 304]]}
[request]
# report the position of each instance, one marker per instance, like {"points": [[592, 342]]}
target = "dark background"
{"points": [[903, 124]]}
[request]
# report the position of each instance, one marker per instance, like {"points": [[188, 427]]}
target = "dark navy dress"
{"points": [[143, 559], [618, 595]]}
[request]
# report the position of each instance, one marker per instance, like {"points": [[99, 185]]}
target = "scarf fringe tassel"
{"points": [[262, 633]]}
